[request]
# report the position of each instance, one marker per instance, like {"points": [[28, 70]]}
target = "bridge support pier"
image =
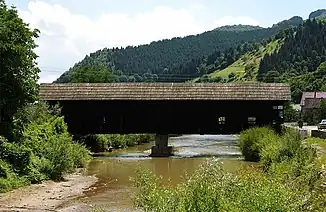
{"points": [[161, 148]]}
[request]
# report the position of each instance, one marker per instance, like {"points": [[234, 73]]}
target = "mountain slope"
{"points": [[165, 58], [294, 21], [296, 56], [247, 66], [301, 55], [313, 81], [302, 52]]}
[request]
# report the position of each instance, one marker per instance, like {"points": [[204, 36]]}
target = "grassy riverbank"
{"points": [[288, 179], [42, 149]]}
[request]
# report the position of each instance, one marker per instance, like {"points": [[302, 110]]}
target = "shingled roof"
{"points": [[165, 91]]}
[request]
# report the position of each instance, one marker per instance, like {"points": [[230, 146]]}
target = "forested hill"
{"points": [[239, 27], [300, 59], [296, 56], [163, 60], [319, 14]]}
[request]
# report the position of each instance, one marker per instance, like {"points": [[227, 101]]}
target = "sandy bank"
{"points": [[46, 196]]}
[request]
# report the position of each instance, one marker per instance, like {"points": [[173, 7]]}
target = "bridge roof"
{"points": [[165, 91]]}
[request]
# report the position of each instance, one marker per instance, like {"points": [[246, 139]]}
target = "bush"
{"points": [[289, 181], [38, 113], [116, 141], [8, 179], [51, 141], [44, 149], [121, 141], [211, 188], [146, 138], [251, 142], [19, 157], [283, 156], [99, 143], [290, 114], [279, 148], [80, 155], [5, 171], [96, 143], [59, 155], [59, 149]]}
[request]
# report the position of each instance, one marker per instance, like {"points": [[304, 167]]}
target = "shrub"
{"points": [[289, 181], [59, 154], [19, 157], [251, 142], [279, 148], [96, 143], [8, 179], [211, 188], [38, 170], [99, 143], [5, 171], [146, 138], [43, 150], [132, 140], [53, 145], [80, 155], [38, 113], [285, 157], [116, 141], [290, 114]]}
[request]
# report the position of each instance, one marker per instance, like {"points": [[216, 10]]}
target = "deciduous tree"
{"points": [[18, 70], [93, 74]]}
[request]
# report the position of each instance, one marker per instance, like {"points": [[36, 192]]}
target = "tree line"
{"points": [[177, 59], [300, 59]]}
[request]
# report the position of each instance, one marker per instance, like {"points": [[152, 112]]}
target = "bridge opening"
{"points": [[252, 120], [221, 120]]}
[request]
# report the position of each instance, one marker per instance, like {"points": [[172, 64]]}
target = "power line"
{"points": [[165, 76]]}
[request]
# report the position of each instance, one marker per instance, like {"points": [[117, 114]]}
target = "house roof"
{"points": [[165, 91], [311, 95]]}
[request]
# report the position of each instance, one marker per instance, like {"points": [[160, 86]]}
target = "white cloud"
{"points": [[67, 37], [232, 20], [46, 76]]}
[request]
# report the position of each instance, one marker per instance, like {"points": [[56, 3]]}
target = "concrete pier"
{"points": [[161, 148]]}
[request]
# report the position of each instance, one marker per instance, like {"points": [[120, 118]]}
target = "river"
{"points": [[113, 190]]}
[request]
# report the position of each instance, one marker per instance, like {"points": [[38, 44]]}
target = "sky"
{"points": [[71, 29]]}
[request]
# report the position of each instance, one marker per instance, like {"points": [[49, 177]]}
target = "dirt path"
{"points": [[46, 196]]}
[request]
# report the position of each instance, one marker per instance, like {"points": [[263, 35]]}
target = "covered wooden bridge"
{"points": [[168, 108]]}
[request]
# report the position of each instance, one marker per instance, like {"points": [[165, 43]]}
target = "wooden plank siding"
{"points": [[165, 91]]}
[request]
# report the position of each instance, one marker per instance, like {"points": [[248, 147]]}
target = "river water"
{"points": [[113, 191]]}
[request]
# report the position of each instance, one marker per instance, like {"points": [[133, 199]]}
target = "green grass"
{"points": [[235, 68], [287, 180], [318, 141], [320, 144], [254, 57], [211, 188]]}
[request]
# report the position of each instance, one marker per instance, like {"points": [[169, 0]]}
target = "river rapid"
{"points": [[113, 190]]}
